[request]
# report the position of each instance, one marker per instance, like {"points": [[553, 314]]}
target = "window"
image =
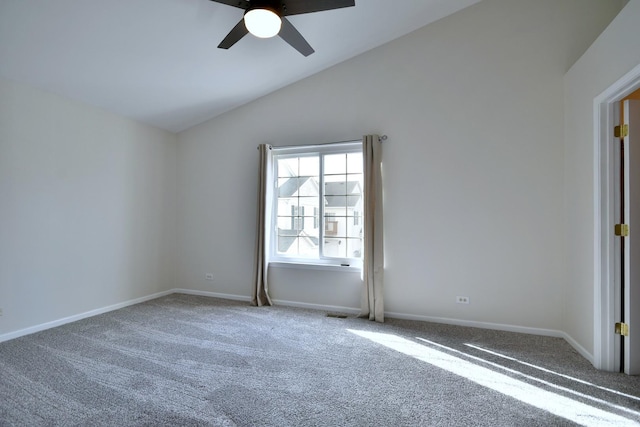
{"points": [[317, 214]]}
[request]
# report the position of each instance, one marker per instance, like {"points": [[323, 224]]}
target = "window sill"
{"points": [[312, 266]]}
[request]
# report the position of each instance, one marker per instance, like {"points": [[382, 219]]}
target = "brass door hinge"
{"points": [[621, 131], [621, 230], [622, 329]]}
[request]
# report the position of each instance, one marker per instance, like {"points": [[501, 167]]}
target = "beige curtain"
{"points": [[372, 304], [260, 294]]}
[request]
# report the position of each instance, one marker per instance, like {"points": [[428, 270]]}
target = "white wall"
{"points": [[473, 185], [87, 208], [476, 178], [612, 55]]}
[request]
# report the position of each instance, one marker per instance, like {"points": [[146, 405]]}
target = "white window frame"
{"points": [[279, 260]]}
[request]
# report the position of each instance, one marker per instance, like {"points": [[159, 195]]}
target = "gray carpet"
{"points": [[186, 360]]}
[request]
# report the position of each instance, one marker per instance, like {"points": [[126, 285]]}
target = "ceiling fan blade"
{"points": [[238, 32], [296, 7], [242, 4], [289, 34]]}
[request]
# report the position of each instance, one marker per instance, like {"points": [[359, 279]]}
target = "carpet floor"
{"points": [[184, 360]]}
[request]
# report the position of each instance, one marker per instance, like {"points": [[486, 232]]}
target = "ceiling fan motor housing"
{"points": [[281, 9], [275, 6]]}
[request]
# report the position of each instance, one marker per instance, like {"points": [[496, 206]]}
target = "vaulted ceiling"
{"points": [[157, 61]]}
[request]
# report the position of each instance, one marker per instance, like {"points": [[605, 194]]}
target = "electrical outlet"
{"points": [[209, 276], [462, 300]]}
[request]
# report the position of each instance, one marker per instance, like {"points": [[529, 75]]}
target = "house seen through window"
{"points": [[319, 203]]}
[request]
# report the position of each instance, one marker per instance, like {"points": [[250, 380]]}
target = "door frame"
{"points": [[606, 110]]}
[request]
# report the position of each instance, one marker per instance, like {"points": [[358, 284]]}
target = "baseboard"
{"points": [[48, 325], [500, 327], [63, 321], [211, 294], [482, 325], [577, 347], [332, 308], [76, 317], [321, 307]]}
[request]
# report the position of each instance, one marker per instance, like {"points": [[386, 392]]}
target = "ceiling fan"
{"points": [[266, 18]]}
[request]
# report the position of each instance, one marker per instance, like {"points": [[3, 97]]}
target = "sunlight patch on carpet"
{"points": [[587, 383], [554, 403], [538, 380]]}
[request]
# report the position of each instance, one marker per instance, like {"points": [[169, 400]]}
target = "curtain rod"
{"points": [[380, 138]]}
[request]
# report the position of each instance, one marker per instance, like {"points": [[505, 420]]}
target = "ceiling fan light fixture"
{"points": [[263, 23]]}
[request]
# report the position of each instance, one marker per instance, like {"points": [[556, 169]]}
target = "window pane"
{"points": [[299, 225], [309, 166], [292, 187], [354, 248], [294, 245], [335, 164], [335, 248], [307, 203], [354, 202], [354, 181], [335, 185], [330, 226], [308, 227], [336, 211], [335, 205], [337, 202], [354, 227], [287, 187], [335, 226], [287, 242], [308, 186], [354, 162], [285, 223], [288, 167], [308, 246], [285, 205]]}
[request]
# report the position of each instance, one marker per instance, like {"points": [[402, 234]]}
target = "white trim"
{"points": [[302, 151], [577, 347], [321, 307], [481, 325], [499, 327], [327, 147], [76, 317], [316, 266], [212, 294], [605, 265]]}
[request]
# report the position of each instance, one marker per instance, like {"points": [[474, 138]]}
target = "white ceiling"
{"points": [[157, 61]]}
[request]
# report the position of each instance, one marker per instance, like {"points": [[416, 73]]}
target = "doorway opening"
{"points": [[611, 197]]}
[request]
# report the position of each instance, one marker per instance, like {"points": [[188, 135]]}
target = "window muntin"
{"points": [[306, 229]]}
